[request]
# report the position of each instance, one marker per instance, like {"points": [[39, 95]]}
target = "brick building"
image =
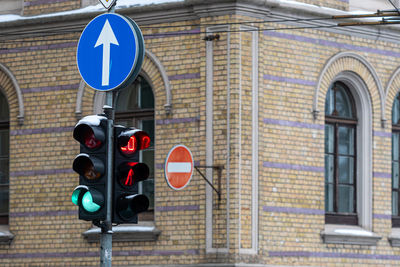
{"points": [[304, 121]]}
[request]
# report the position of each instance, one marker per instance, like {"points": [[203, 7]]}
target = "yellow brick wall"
{"points": [[291, 147], [35, 7]]}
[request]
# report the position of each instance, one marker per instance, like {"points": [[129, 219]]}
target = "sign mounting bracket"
{"points": [[219, 169]]}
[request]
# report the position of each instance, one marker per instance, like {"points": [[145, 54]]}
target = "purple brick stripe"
{"points": [[41, 172], [44, 213], [44, 2], [178, 120], [178, 208], [323, 42], [39, 47], [97, 254], [309, 254], [289, 80], [382, 216], [42, 131], [287, 166], [184, 76], [156, 252], [171, 34], [293, 210], [382, 134], [51, 88], [382, 175], [294, 124]]}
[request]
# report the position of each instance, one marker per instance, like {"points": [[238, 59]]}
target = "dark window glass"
{"points": [[4, 159], [340, 156], [395, 161], [135, 108]]}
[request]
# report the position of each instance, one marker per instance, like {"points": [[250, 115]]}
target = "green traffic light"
{"points": [[88, 203], [75, 196]]}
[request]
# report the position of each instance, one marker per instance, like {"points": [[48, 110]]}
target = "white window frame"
{"points": [[360, 234]]}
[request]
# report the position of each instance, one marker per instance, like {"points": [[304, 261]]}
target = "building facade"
{"points": [[299, 118]]}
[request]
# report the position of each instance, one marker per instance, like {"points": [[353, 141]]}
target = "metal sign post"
{"points": [[106, 229]]}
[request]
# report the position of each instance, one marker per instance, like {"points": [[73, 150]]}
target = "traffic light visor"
{"points": [[78, 193], [91, 137], [89, 167]]}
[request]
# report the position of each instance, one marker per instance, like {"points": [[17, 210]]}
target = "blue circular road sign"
{"points": [[110, 52]]}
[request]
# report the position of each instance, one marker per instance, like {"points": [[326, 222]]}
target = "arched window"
{"points": [[134, 107], [395, 161], [340, 156], [4, 159]]}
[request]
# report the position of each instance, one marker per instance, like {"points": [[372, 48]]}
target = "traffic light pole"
{"points": [[106, 227]]}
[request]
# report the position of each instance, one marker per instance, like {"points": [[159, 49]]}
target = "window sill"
{"points": [[349, 234], [145, 231], [5, 235], [394, 237]]}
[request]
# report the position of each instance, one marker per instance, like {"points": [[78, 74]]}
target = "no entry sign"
{"points": [[178, 167]]}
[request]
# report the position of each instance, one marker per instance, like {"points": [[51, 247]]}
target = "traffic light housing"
{"points": [[91, 165], [128, 172]]}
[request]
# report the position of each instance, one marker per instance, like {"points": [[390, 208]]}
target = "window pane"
{"points": [[343, 103], [346, 140], [148, 127], [148, 190], [346, 170], [329, 138], [4, 142], [329, 167], [395, 146], [148, 158], [395, 110], [346, 199], [4, 199], [4, 170], [395, 203], [329, 103], [127, 98], [146, 95], [4, 115], [329, 197], [395, 175]]}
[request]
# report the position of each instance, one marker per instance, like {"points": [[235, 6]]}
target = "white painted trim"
{"points": [[164, 76], [254, 177], [21, 111], [210, 138], [371, 70], [239, 142], [364, 145], [389, 84], [209, 144]]}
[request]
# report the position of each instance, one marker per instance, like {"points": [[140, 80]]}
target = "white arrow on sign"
{"points": [[106, 38]]}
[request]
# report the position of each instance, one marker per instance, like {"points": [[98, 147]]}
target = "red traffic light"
{"points": [[133, 140]]}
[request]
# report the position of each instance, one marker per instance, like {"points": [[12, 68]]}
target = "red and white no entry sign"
{"points": [[178, 167]]}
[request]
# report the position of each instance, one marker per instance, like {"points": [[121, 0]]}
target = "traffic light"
{"points": [[91, 164], [128, 171]]}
